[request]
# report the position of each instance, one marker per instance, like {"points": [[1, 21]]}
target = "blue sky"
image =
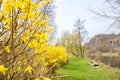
{"points": [[68, 11]]}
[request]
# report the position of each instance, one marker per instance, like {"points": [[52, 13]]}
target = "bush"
{"points": [[25, 53]]}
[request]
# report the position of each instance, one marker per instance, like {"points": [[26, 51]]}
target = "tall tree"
{"points": [[80, 30]]}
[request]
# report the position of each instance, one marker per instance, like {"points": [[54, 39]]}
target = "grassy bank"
{"points": [[79, 69]]}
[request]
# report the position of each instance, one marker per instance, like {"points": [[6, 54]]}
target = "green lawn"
{"points": [[79, 69]]}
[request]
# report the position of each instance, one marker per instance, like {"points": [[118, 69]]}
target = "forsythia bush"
{"points": [[24, 51]]}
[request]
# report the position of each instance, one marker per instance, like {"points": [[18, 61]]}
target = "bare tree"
{"points": [[51, 12], [80, 30], [114, 6]]}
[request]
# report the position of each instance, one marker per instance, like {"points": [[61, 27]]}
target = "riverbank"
{"points": [[79, 69]]}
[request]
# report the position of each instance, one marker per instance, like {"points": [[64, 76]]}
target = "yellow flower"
{"points": [[29, 69], [47, 2], [45, 23], [45, 78], [3, 69], [37, 79], [33, 44], [11, 70], [7, 26], [7, 49], [50, 30], [24, 39], [46, 16], [18, 68], [38, 5], [8, 76], [45, 37]]}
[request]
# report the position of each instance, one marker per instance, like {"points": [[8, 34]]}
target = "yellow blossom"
{"points": [[29, 69], [24, 39], [50, 30], [45, 23], [33, 44], [18, 68], [8, 76], [3, 69], [47, 2], [7, 49], [37, 79], [11, 70], [7, 26], [38, 5], [45, 78], [46, 16]]}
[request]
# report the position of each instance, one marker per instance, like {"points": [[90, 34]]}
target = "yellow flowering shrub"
{"points": [[56, 54], [25, 36]]}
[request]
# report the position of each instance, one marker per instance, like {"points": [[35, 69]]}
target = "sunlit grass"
{"points": [[79, 69]]}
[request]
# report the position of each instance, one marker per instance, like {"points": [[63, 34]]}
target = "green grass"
{"points": [[79, 69]]}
